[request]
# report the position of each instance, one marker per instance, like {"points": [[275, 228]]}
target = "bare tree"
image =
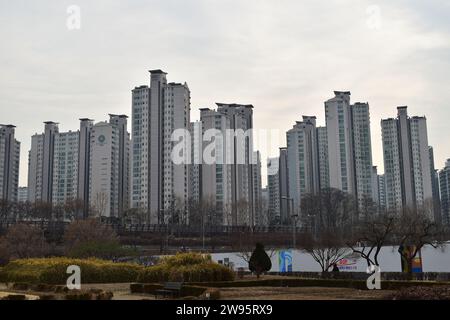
{"points": [[331, 209], [326, 249], [371, 235], [5, 209], [100, 203], [23, 241], [89, 230], [414, 230]]}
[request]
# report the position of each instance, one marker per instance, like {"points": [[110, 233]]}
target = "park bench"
{"points": [[170, 289]]}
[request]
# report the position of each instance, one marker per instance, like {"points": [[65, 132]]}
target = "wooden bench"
{"points": [[170, 289]]}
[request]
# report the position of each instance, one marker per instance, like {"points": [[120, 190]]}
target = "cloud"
{"points": [[285, 57]]}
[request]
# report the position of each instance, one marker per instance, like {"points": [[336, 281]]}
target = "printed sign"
{"points": [[285, 260]]}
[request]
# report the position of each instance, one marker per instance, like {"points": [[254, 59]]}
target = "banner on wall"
{"points": [[416, 263], [285, 260], [349, 262]]}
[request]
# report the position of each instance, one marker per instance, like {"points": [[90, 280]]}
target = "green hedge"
{"points": [[181, 267], [186, 267], [190, 273], [53, 271]]}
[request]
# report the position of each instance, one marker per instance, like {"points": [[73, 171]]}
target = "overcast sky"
{"points": [[284, 57]]}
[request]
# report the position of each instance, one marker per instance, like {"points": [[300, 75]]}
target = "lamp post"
{"points": [[294, 229], [293, 218]]}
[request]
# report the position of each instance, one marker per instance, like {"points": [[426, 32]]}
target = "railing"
{"points": [[159, 228]]}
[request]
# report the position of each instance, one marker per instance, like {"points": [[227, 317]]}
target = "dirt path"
{"points": [[122, 292], [302, 293]]}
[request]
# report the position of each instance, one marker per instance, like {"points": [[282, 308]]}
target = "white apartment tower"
{"points": [[195, 190], [215, 169], [406, 161], [303, 161], [258, 218], [349, 146], [273, 189], [40, 164], [109, 167], [322, 144], [53, 166], [65, 167], [241, 123], [284, 181], [159, 185], [9, 163], [444, 183], [84, 147], [381, 192]]}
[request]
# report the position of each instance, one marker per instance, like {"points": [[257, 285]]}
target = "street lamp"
{"points": [[294, 229], [293, 218]]}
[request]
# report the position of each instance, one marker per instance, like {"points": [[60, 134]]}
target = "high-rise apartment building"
{"points": [[435, 188], [444, 183], [241, 124], [109, 167], [406, 161], [195, 190], [349, 146], [40, 164], [53, 166], [322, 144], [9, 163], [375, 187], [215, 168], [84, 148], [273, 190], [303, 161], [381, 192], [284, 180], [65, 167], [160, 186], [258, 217]]}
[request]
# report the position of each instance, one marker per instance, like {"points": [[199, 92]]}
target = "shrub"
{"points": [[259, 261], [53, 271], [185, 259], [186, 267], [91, 238], [23, 241], [14, 297]]}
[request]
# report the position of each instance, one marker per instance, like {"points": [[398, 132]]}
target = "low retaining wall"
{"points": [[387, 276]]}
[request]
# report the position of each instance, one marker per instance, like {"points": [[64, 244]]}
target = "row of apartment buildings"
{"points": [[108, 170], [90, 166], [339, 156]]}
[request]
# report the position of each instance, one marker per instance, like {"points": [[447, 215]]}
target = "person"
{"points": [[335, 267]]}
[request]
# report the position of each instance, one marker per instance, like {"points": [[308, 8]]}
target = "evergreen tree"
{"points": [[259, 261]]}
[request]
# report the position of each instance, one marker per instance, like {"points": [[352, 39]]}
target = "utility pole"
{"points": [[293, 218]]}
